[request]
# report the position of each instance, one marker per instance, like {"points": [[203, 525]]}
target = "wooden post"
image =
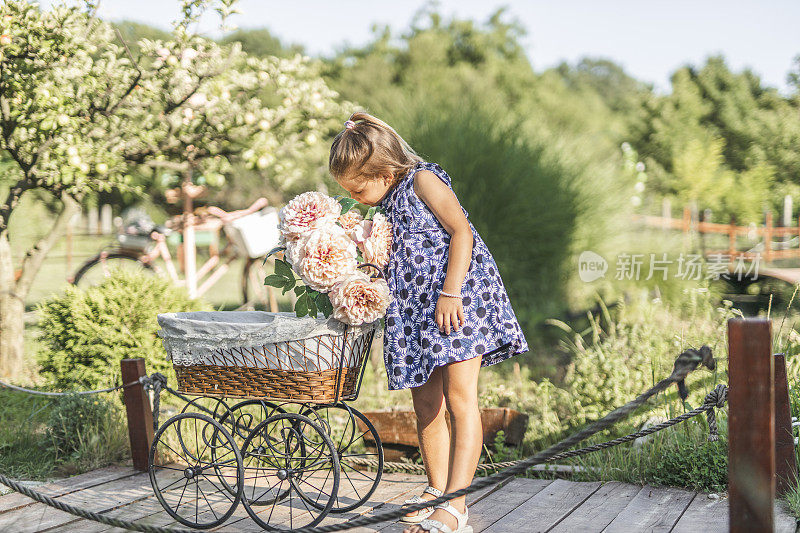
{"points": [[768, 238], [93, 221], [732, 238], [666, 212], [687, 219], [106, 219], [189, 251], [140, 414], [785, 461], [751, 425], [798, 233]]}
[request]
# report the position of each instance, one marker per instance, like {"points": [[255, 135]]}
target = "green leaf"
{"points": [[282, 268], [300, 289], [347, 204], [312, 308], [371, 213], [324, 304], [288, 285], [275, 280], [301, 306]]}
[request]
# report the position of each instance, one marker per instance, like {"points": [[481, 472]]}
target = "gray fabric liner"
{"points": [[199, 337]]}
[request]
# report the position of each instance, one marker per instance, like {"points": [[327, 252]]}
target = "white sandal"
{"points": [[435, 526], [425, 512]]}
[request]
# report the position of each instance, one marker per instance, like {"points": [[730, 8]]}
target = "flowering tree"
{"points": [[78, 112]]}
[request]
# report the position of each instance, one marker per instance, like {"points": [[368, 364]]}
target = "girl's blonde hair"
{"points": [[370, 147]]}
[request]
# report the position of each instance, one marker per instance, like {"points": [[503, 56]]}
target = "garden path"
{"points": [[516, 505]]}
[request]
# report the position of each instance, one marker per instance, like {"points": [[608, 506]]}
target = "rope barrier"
{"points": [[45, 393], [684, 364], [715, 398]]}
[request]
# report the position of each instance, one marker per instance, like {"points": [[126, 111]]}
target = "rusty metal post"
{"points": [[751, 425], [785, 461], [140, 414]]}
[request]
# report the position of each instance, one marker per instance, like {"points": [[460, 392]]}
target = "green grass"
{"points": [[29, 451]]}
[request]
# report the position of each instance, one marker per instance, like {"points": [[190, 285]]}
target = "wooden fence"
{"points": [[767, 250]]}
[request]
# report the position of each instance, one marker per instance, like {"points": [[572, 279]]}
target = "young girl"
{"points": [[449, 315]]}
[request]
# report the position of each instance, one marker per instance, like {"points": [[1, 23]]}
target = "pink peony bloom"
{"points": [[358, 299], [295, 252], [330, 256], [350, 221], [307, 212], [375, 248]]}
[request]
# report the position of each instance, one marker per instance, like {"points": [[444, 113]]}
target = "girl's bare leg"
{"points": [[432, 431], [460, 386]]}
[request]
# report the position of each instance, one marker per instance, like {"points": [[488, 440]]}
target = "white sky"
{"points": [[650, 39]]}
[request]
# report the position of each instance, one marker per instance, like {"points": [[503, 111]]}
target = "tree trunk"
{"points": [[12, 307], [13, 290]]}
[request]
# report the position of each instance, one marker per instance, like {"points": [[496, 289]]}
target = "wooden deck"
{"points": [[518, 505]]}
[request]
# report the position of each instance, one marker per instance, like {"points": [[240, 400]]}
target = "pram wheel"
{"points": [[353, 435], [283, 453], [196, 470]]}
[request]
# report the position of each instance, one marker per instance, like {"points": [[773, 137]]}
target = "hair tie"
{"points": [[349, 124]]}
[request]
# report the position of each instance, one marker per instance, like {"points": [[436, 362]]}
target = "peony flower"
{"points": [[358, 299], [375, 248], [330, 256], [307, 212], [295, 252], [349, 221]]}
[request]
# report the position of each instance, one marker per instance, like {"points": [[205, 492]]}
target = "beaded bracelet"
{"points": [[449, 295]]}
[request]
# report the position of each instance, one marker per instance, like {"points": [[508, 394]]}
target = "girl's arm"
{"points": [[444, 205]]}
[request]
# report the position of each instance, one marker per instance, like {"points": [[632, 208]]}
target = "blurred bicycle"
{"points": [[142, 246]]}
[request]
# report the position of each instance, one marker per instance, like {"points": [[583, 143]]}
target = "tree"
{"points": [[758, 127], [57, 102], [78, 114]]}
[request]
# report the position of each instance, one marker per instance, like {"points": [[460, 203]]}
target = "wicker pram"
{"points": [[261, 355]]}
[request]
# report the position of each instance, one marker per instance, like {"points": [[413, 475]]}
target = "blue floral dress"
{"points": [[413, 344]]}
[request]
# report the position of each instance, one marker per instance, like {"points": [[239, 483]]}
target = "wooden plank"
{"points": [[473, 498], [15, 500], [751, 425], [547, 507], [101, 498], [784, 521], [652, 509], [704, 514], [129, 512], [503, 501], [280, 513], [600, 509]]}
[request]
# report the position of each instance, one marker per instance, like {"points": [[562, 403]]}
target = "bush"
{"points": [[72, 417], [86, 432], [86, 333], [702, 467], [620, 356]]}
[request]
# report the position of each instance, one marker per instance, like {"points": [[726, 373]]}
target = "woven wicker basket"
{"points": [[312, 376]]}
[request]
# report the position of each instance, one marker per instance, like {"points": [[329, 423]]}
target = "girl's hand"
{"points": [[449, 311]]}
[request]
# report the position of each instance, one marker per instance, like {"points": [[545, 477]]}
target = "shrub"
{"points": [[619, 357], [86, 432], [86, 333], [72, 417], [701, 467], [515, 193]]}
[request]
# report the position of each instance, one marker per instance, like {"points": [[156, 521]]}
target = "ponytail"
{"points": [[370, 147]]}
